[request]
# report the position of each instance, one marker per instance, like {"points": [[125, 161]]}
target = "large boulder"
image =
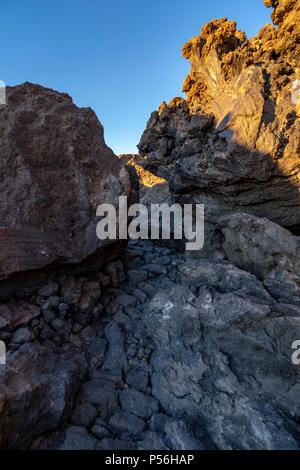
{"points": [[267, 250], [233, 144], [55, 169]]}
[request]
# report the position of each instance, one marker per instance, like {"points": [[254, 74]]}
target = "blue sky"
{"points": [[122, 58]]}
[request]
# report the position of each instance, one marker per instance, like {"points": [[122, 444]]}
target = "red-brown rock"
{"points": [[55, 169]]}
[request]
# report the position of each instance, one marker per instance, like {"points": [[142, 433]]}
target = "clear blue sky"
{"points": [[120, 57]]}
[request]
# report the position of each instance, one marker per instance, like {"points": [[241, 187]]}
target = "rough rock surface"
{"points": [[266, 250], [233, 144], [55, 170], [38, 388], [194, 354]]}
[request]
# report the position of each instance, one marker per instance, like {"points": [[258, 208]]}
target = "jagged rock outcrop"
{"points": [[55, 170], [266, 250], [233, 144]]}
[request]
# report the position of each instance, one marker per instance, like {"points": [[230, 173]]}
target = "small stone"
{"points": [[100, 330], [115, 270], [82, 318], [140, 295], [49, 289], [99, 432], [126, 300], [165, 260], [114, 376], [87, 334], [158, 421], [89, 296], [76, 327], [59, 325], [138, 378], [50, 345], [48, 315], [98, 310], [155, 269], [71, 291], [172, 276], [57, 340], [23, 314], [96, 351], [5, 336], [136, 276], [63, 307], [84, 415], [140, 354], [138, 403], [148, 289], [53, 301], [131, 351], [22, 335], [122, 422], [75, 340], [121, 318], [104, 280], [40, 300], [77, 438], [5, 316], [46, 333]]}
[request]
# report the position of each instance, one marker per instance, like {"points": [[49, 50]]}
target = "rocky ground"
{"points": [[177, 353], [112, 404]]}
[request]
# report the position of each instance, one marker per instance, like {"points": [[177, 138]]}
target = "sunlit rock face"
{"points": [[153, 189], [233, 144], [55, 170]]}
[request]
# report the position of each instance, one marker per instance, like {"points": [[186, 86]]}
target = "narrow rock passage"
{"points": [[189, 354], [115, 408], [166, 352]]}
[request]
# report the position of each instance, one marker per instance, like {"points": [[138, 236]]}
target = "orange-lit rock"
{"points": [[234, 143]]}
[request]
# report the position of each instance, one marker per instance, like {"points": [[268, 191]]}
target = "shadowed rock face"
{"points": [[152, 188], [55, 170], [233, 144]]}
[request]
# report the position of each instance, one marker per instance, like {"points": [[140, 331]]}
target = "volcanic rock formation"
{"points": [[55, 170], [233, 144]]}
